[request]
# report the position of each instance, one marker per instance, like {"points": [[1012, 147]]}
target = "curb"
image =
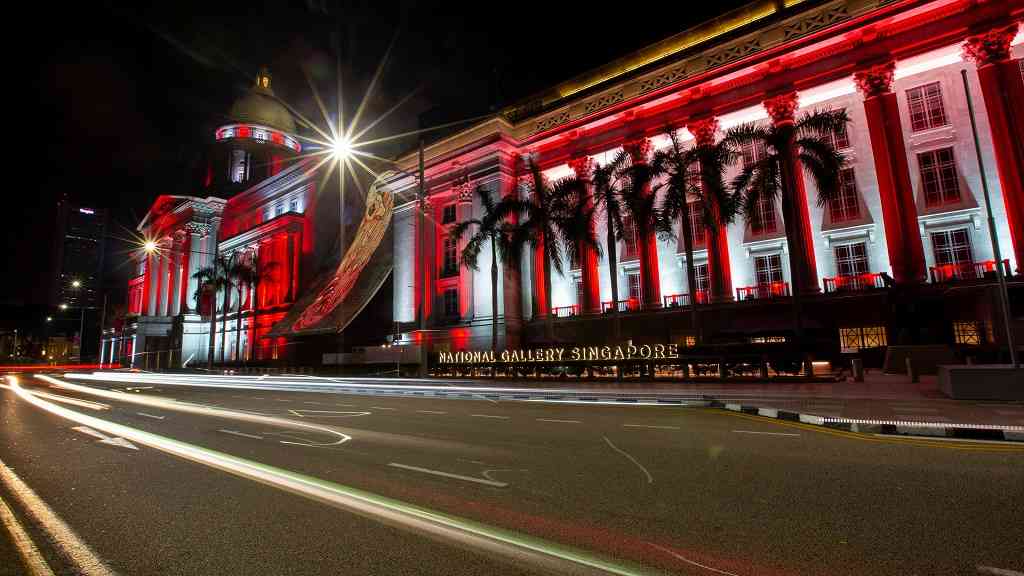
{"points": [[967, 432]]}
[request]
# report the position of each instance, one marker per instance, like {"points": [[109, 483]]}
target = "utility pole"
{"points": [[1004, 298], [421, 201]]}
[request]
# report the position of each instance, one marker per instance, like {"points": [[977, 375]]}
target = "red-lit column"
{"points": [[899, 212], [803, 268], [511, 279], [541, 299], [582, 166], [716, 239], [1003, 91], [650, 278], [463, 212]]}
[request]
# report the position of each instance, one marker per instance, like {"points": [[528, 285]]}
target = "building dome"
{"points": [[260, 106]]}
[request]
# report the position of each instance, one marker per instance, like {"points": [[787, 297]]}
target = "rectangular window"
{"points": [[694, 211], [768, 269], [239, 166], [926, 107], [450, 264], [851, 259], [630, 240], [700, 277], [633, 281], [753, 152], [451, 303], [861, 337], [939, 177], [839, 138], [969, 333], [293, 205], [844, 206], [952, 247], [580, 297], [448, 214], [762, 220]]}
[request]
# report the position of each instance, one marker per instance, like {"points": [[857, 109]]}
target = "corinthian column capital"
{"points": [[990, 47], [875, 80]]}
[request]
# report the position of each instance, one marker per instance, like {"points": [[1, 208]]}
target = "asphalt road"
{"points": [[434, 486]]}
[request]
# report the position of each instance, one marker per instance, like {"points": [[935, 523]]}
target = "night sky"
{"points": [[128, 96]]}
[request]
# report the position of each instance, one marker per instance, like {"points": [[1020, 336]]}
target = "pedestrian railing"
{"points": [[565, 311], [763, 291], [628, 305], [967, 270], [854, 282]]}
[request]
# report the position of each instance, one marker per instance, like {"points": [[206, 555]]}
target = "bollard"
{"points": [[911, 372], [857, 367]]}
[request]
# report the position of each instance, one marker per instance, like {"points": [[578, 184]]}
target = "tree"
{"points": [[241, 274], [493, 227], [805, 142], [607, 181], [638, 199], [696, 177], [213, 279]]}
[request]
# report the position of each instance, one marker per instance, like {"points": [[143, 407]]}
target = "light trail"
{"points": [[510, 545]]}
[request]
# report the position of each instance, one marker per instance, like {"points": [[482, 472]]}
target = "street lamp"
{"points": [[341, 148], [76, 284], [149, 247]]}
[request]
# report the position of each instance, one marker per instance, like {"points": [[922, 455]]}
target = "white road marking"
{"points": [[242, 434], [765, 433], [258, 398], [483, 481], [650, 426], [382, 408], [559, 421], [327, 413], [490, 416], [998, 571], [311, 402], [30, 556], [431, 412], [282, 399], [346, 405], [650, 479], [104, 439], [85, 561], [487, 473], [73, 401], [691, 562], [153, 416]]}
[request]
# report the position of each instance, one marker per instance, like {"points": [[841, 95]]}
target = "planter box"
{"points": [[982, 382]]}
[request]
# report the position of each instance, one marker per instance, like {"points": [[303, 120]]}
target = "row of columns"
{"points": [[169, 286], [1002, 89]]}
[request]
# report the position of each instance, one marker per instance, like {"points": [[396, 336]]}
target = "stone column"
{"points": [[196, 232], [161, 279], [511, 273], [174, 294], [1003, 91], [149, 287], [650, 279], [899, 212], [463, 212], [583, 167], [716, 237], [795, 210], [541, 298]]}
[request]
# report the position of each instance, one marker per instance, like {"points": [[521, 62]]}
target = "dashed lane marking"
{"points": [[242, 434], [491, 416], [382, 408], [153, 416], [651, 426], [557, 421], [431, 412], [483, 481]]}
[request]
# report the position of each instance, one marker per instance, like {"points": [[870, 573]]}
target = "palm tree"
{"points": [[241, 274], [213, 278], [638, 199], [606, 181], [697, 173], [260, 274], [492, 227], [804, 143]]}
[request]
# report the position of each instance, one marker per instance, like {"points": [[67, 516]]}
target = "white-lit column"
{"points": [[174, 294]]}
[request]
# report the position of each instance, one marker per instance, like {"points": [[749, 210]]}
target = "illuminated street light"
{"points": [[76, 284], [63, 306], [49, 318], [341, 148], [149, 247]]}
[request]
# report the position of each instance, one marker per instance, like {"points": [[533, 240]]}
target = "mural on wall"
{"points": [[336, 298]]}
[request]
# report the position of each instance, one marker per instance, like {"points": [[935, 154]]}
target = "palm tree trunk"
{"points": [[613, 276], [224, 324], [238, 326], [494, 296], [691, 277], [794, 241], [213, 329], [549, 320]]}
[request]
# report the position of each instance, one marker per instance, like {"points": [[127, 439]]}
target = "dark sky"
{"points": [[127, 95]]}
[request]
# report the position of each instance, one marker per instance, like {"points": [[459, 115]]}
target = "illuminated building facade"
{"points": [[912, 207], [255, 208]]}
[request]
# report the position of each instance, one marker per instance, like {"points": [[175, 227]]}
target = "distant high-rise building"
{"points": [[79, 262]]}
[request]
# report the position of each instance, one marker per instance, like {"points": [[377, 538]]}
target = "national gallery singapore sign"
{"points": [[561, 354]]}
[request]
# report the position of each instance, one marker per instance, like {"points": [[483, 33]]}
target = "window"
{"points": [[630, 240], [851, 259], [700, 277], [633, 281], [239, 166], [768, 269], [861, 337], [580, 296], [969, 333], [448, 214], [753, 152], [694, 211], [926, 108], [762, 220], [450, 265], [939, 178], [844, 206], [952, 247], [839, 138], [293, 205], [451, 303]]}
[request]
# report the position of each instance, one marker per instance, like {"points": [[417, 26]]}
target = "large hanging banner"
{"points": [[334, 299]]}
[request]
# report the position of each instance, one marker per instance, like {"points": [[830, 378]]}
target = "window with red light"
{"points": [[926, 107], [633, 282], [938, 177], [762, 219], [952, 247], [844, 206], [768, 269], [695, 215], [839, 138], [851, 259]]}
